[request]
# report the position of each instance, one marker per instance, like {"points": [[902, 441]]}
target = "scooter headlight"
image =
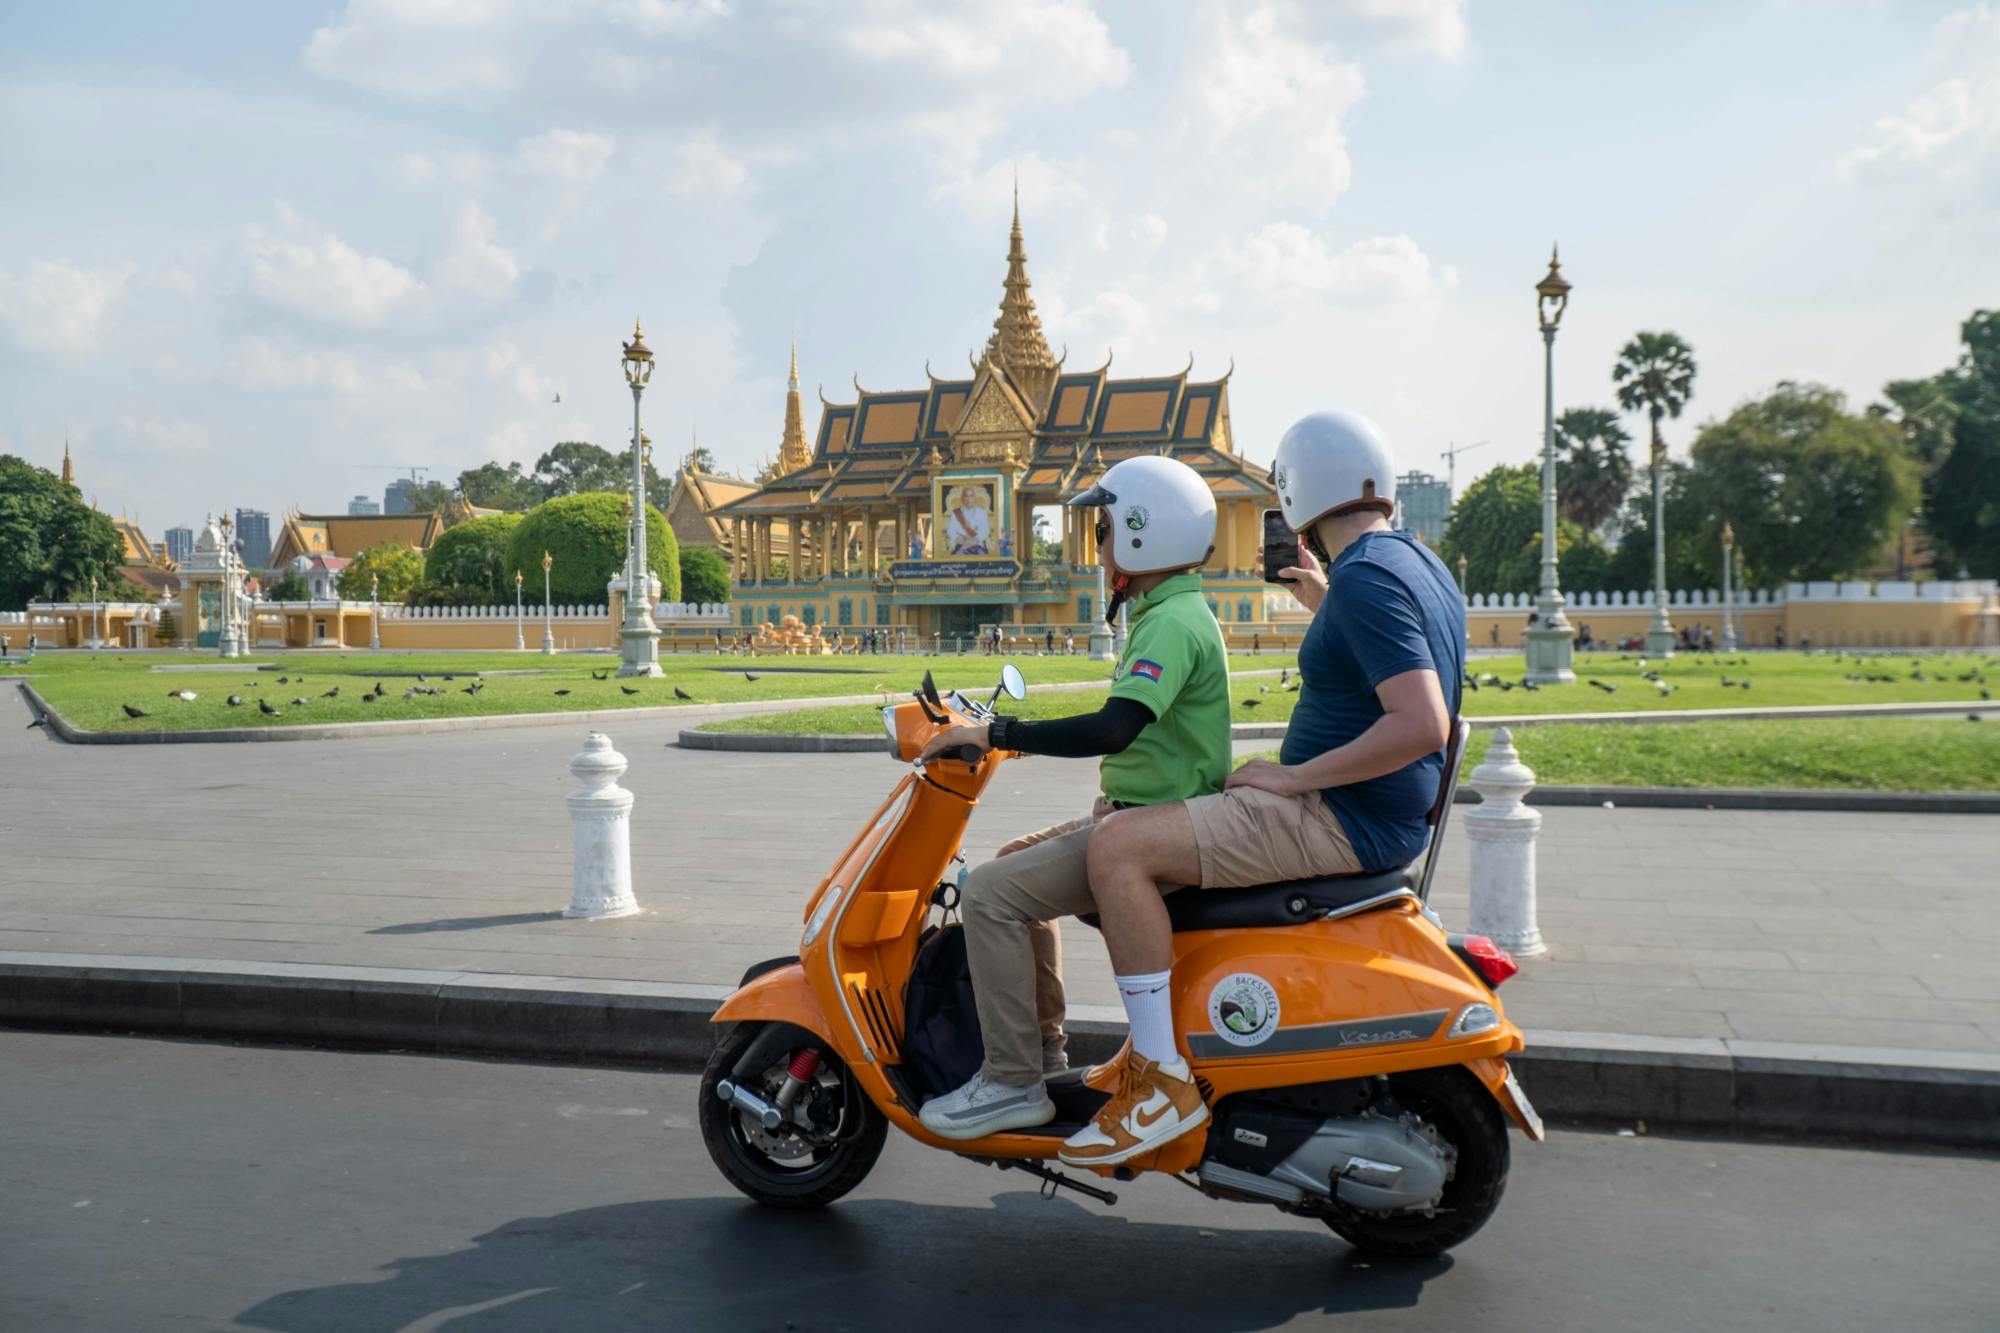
{"points": [[1473, 1020], [817, 921]]}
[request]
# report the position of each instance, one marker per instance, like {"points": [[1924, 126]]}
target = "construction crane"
{"points": [[1450, 457]]}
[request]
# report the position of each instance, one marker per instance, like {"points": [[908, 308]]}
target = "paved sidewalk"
{"points": [[452, 852]]}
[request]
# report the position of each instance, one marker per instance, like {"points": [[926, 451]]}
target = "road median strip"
{"points": [[1940, 1099]]}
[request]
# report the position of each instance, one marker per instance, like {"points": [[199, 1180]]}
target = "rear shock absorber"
{"points": [[805, 1063]]}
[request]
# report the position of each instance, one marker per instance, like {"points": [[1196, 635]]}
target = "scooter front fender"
{"points": [[782, 995]]}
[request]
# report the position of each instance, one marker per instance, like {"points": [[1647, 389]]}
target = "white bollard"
{"points": [[600, 820], [1503, 831]]}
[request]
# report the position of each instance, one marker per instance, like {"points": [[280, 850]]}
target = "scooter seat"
{"points": [[1289, 903]]}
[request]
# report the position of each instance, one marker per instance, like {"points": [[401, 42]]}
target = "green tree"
{"points": [[1812, 490], [493, 486], [52, 544], [1962, 499], [287, 587], [399, 567], [699, 459], [1691, 563], [473, 556], [1655, 372], [704, 574], [1594, 472], [576, 468], [433, 497], [586, 536], [1492, 524]]}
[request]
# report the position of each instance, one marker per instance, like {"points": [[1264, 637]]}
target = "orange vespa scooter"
{"points": [[1352, 1053]]}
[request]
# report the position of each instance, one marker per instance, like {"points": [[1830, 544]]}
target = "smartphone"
{"points": [[1281, 546]]}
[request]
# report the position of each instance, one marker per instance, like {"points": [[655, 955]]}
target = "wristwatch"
{"points": [[996, 731]]}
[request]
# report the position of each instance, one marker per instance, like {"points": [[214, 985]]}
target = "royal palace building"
{"points": [[914, 510]]}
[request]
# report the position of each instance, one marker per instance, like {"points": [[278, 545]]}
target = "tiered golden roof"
{"points": [[793, 451], [1017, 343]]}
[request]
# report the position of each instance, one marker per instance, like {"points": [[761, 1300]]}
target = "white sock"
{"points": [[1149, 1008]]}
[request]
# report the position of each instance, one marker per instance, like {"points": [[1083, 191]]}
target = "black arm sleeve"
{"points": [[1107, 731]]}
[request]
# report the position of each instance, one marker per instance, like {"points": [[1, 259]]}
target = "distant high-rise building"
{"points": [[253, 537], [361, 504], [398, 498], [1426, 505], [180, 544]]}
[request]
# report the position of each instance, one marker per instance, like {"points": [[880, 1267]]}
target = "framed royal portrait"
{"points": [[969, 518]]}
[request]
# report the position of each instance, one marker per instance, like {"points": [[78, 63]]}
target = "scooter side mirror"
{"points": [[1012, 681]]}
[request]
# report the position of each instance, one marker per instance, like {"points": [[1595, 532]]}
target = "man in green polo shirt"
{"points": [[1164, 736]]}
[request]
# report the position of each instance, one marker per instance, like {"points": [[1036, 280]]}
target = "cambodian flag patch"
{"points": [[1150, 670]]}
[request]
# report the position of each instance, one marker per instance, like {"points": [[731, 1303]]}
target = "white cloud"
{"points": [[1276, 101], [700, 167], [478, 263], [1955, 124], [574, 157], [309, 271], [263, 365], [1433, 27], [412, 171], [504, 364], [53, 305], [1283, 261]]}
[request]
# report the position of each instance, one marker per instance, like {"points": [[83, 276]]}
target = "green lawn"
{"points": [[89, 689], [1860, 754], [1776, 679], [1877, 753]]}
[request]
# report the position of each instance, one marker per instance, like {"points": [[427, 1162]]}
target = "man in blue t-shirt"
{"points": [[1381, 669]]}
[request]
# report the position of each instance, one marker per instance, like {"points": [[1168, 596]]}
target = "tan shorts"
{"points": [[1248, 836]]}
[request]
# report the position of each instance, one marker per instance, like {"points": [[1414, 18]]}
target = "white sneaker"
{"points": [[982, 1107]]}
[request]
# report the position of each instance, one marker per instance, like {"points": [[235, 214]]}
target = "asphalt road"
{"points": [[157, 1185]]}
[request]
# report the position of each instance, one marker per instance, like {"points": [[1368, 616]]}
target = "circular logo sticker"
{"points": [[1243, 1009], [1135, 517]]}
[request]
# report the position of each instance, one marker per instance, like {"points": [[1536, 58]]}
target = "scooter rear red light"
{"points": [[1483, 956]]}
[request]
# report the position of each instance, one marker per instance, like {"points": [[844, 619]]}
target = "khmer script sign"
{"points": [[954, 569]]}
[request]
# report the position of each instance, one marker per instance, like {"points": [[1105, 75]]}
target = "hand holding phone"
{"points": [[1281, 546]]}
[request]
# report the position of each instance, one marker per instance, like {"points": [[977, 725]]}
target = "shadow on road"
{"points": [[865, 1263], [466, 923]]}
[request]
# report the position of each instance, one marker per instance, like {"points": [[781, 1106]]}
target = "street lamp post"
{"points": [[638, 637], [520, 643], [375, 613], [96, 641], [1728, 616], [1465, 599], [1550, 643], [1100, 628], [1659, 634], [548, 627]]}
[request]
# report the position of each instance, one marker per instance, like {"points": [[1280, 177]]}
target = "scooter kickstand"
{"points": [[1054, 1180]]}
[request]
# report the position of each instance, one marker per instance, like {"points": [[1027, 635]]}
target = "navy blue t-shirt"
{"points": [[1390, 607]]}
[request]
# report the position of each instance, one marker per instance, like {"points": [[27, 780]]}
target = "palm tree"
{"points": [[1656, 371], [1596, 470]]}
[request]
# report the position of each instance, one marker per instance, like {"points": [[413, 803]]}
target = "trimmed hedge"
{"points": [[586, 535], [474, 555]]}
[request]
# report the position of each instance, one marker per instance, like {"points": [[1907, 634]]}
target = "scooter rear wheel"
{"points": [[1463, 1113], [784, 1169]]}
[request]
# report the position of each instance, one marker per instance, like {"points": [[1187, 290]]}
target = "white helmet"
{"points": [[1332, 463], [1162, 514]]}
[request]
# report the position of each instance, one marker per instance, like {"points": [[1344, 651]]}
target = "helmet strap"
{"points": [[1119, 587]]}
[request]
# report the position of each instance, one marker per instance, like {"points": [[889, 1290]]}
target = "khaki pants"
{"points": [[1012, 946], [1245, 837]]}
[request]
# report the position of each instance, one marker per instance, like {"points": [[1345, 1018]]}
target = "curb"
{"points": [[1946, 1100]]}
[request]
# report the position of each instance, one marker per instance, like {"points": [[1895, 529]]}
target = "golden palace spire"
{"points": [[69, 472], [793, 451], [1017, 344]]}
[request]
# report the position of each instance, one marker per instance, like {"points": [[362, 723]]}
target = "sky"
{"points": [[264, 254]]}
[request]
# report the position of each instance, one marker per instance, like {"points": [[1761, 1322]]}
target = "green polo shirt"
{"points": [[1176, 664]]}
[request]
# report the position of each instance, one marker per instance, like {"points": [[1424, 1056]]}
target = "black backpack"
{"points": [[942, 1046]]}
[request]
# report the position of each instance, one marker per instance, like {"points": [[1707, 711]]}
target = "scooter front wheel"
{"points": [[789, 1167]]}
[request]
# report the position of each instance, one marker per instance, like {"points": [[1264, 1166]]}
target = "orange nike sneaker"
{"points": [[1155, 1103]]}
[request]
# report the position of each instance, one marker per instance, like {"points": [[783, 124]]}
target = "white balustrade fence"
{"points": [[1942, 590]]}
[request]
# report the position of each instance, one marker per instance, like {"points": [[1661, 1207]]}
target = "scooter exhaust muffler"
{"points": [[769, 1116]]}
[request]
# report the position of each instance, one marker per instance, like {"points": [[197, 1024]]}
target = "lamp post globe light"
{"points": [[1550, 640], [548, 628], [638, 637], [1728, 616], [520, 643]]}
